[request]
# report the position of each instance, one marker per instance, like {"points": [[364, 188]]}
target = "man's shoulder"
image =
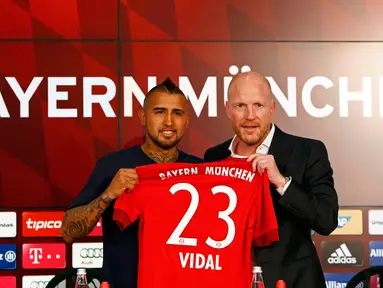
{"points": [[189, 158], [302, 143], [123, 156], [218, 152]]}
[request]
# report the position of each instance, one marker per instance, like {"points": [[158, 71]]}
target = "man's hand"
{"points": [[124, 179], [262, 163]]}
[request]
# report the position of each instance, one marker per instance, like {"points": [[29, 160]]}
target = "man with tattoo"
{"points": [[165, 118]]}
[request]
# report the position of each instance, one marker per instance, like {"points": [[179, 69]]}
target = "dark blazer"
{"points": [[310, 202]]}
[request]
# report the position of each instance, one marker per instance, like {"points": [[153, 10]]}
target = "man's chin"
{"points": [[249, 140], [166, 145]]}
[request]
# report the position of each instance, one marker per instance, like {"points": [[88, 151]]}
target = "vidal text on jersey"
{"points": [[199, 261]]}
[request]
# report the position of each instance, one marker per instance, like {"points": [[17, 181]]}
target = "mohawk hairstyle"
{"points": [[167, 86]]}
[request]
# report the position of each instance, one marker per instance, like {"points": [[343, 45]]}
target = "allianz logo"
{"points": [[342, 255], [335, 284], [376, 253]]}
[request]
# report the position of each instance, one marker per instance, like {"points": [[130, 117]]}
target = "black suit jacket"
{"points": [[310, 202]]}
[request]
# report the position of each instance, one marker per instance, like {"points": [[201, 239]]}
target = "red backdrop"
{"points": [[314, 54]]}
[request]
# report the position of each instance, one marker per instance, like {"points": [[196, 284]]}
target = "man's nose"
{"points": [[250, 113], [168, 119]]}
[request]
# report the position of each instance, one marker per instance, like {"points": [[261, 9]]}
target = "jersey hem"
{"points": [[122, 220], [267, 239]]}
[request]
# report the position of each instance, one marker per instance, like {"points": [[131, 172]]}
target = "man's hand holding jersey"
{"points": [[266, 162], [125, 179]]}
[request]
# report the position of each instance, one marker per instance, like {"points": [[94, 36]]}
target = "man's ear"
{"points": [[141, 116]]}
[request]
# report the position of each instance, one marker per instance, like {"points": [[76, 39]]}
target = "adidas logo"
{"points": [[342, 255]]}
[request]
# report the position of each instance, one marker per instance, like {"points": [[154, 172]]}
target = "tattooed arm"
{"points": [[80, 221]]}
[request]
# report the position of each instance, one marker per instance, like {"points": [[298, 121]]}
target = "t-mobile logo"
{"points": [[36, 254], [44, 255]]}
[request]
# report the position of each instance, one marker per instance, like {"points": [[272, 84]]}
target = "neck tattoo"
{"points": [[158, 156]]}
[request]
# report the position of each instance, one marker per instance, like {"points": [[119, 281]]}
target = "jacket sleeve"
{"points": [[314, 200]]}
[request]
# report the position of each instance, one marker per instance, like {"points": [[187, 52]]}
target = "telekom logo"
{"points": [[44, 255], [36, 254]]}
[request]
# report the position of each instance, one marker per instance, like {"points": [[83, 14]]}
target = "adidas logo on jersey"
{"points": [[342, 255]]}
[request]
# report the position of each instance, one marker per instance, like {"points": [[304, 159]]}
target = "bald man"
{"points": [[300, 176]]}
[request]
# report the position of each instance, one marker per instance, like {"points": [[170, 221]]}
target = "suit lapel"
{"points": [[280, 148]]}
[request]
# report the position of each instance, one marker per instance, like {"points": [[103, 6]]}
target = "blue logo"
{"points": [[343, 220], [312, 232], [376, 253], [337, 280], [7, 256]]}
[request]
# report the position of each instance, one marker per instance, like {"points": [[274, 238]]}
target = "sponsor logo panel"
{"points": [[350, 222], [376, 253], [7, 256], [342, 254], [40, 281], [8, 224], [375, 222], [97, 230], [337, 280], [375, 281], [42, 224], [87, 255], [44, 255], [7, 282]]}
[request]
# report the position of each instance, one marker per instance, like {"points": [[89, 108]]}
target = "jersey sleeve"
{"points": [[266, 226], [128, 207]]}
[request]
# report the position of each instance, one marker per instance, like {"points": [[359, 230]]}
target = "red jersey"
{"points": [[198, 222]]}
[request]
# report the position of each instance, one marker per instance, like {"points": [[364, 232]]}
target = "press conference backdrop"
{"points": [[74, 73]]}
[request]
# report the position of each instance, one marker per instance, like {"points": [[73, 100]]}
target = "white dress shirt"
{"points": [[262, 149]]}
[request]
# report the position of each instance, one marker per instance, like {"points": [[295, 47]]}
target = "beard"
{"points": [[251, 139], [163, 144]]}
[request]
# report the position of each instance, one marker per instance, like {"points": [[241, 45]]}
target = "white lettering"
{"points": [[200, 261], [365, 96], [3, 108], [36, 225], [209, 93], [103, 100], [288, 104], [131, 88], [34, 254], [178, 172], [208, 96], [306, 97], [232, 172], [184, 259], [24, 98], [54, 96]]}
